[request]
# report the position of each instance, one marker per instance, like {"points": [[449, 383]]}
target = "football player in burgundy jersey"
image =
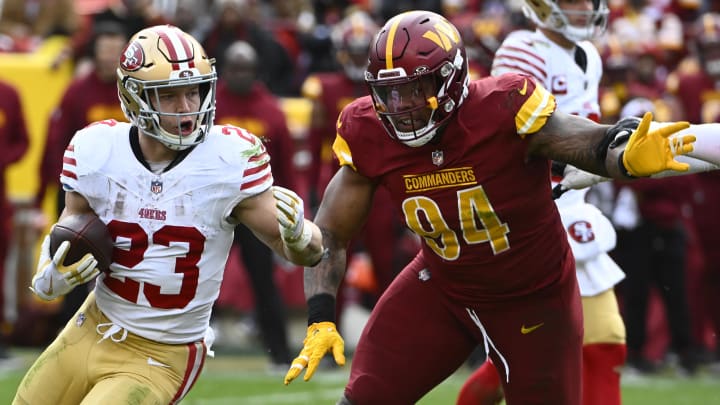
{"points": [[468, 167], [171, 187], [559, 55]]}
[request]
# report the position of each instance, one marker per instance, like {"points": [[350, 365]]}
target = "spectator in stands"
{"points": [[27, 23], [244, 101], [89, 98], [14, 143], [133, 15], [237, 20], [193, 17]]}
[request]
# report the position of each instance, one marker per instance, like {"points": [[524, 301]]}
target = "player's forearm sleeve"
{"points": [[706, 150], [707, 145]]}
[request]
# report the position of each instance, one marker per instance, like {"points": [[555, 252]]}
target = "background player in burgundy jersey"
{"points": [[244, 101], [14, 142], [468, 168], [171, 187]]}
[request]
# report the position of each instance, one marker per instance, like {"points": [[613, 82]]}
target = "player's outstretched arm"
{"points": [[704, 157], [344, 208], [281, 225], [612, 151]]}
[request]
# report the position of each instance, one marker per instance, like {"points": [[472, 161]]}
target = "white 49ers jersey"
{"points": [[576, 90], [171, 235], [531, 52]]}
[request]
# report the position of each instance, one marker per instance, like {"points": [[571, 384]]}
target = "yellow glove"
{"points": [[322, 337], [648, 152]]}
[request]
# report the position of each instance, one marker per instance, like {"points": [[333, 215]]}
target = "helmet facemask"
{"points": [[413, 107], [548, 14], [144, 98]]}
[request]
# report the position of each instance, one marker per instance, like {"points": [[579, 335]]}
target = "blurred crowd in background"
{"points": [[286, 69]]}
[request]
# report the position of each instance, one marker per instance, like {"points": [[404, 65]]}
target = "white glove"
{"points": [[54, 279], [291, 218], [576, 179]]}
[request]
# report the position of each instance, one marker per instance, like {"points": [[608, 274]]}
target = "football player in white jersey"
{"points": [[171, 187], [559, 55]]}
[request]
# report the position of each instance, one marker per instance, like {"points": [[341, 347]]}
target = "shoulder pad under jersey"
{"points": [[235, 145], [92, 146]]}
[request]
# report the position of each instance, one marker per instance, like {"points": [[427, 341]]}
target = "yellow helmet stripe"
{"points": [[391, 40]]}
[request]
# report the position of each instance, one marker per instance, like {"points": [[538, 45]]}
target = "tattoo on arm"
{"points": [[328, 274]]}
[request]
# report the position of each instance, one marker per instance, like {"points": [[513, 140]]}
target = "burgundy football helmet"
{"points": [[351, 39], [417, 75]]}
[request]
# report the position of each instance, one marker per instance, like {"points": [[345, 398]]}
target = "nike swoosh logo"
{"points": [[525, 330], [50, 289], [524, 88], [153, 362]]}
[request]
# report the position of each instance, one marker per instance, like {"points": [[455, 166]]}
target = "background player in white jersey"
{"points": [[559, 55], [171, 187]]}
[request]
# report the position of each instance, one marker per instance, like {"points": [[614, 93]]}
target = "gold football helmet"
{"points": [[548, 14], [162, 57]]}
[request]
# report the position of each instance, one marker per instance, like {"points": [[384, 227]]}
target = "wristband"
{"points": [[321, 308]]}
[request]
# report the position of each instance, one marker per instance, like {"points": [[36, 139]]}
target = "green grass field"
{"points": [[243, 379]]}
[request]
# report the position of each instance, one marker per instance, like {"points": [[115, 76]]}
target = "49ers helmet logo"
{"points": [[581, 232], [133, 57]]}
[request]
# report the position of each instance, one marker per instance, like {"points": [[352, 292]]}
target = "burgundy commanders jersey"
{"points": [[482, 207]]}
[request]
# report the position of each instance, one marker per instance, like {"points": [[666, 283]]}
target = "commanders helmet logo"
{"points": [[444, 36], [133, 57]]}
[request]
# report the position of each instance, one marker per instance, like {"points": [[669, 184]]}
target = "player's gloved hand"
{"points": [[291, 218], [322, 337], [53, 279], [649, 152], [576, 179]]}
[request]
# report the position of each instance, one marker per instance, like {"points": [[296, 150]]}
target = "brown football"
{"points": [[86, 234]]}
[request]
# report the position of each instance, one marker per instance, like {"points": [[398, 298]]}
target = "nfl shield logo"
{"points": [[437, 158], [156, 186]]}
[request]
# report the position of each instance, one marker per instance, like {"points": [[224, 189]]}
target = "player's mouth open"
{"points": [[186, 127]]}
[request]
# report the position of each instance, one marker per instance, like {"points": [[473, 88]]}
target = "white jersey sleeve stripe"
{"points": [[519, 62], [515, 50]]}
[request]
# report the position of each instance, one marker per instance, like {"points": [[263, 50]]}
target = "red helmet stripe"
{"points": [[178, 47]]}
